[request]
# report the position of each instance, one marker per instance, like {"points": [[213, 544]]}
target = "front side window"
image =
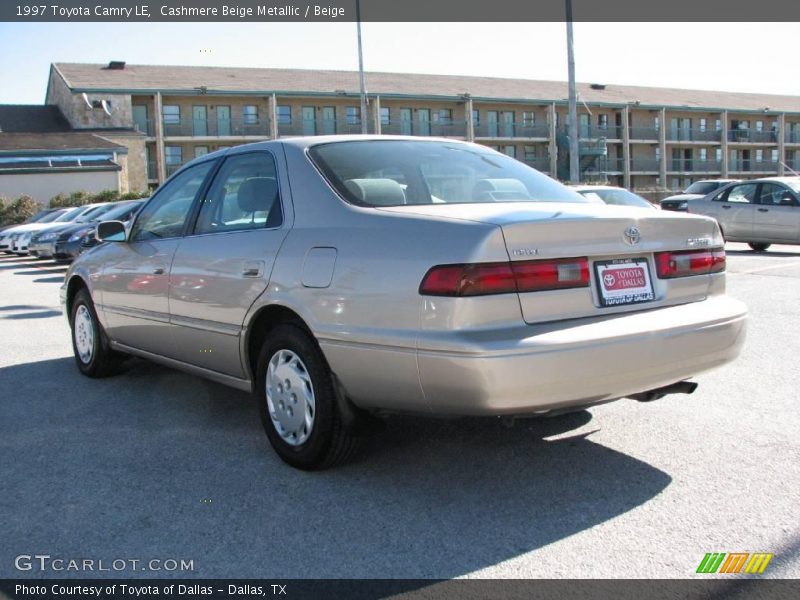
{"points": [[395, 172], [164, 216], [172, 114], [776, 195], [244, 195], [742, 194]]}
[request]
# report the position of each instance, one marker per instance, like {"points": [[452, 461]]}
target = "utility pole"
{"points": [[361, 71], [572, 131]]}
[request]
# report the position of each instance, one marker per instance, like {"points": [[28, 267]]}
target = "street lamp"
{"points": [[361, 71], [574, 158]]}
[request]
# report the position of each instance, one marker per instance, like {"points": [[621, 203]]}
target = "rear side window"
{"points": [[400, 172], [244, 195]]}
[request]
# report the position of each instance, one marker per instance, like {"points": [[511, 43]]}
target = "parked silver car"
{"points": [[339, 277], [760, 212]]}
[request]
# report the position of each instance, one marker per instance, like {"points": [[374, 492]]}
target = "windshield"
{"points": [[400, 172], [94, 214], [704, 187], [121, 212], [618, 197], [52, 216], [70, 215]]}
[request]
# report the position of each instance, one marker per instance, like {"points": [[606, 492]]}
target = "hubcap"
{"points": [[290, 397], [83, 330]]}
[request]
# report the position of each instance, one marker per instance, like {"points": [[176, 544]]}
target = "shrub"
{"points": [[18, 211], [81, 198]]}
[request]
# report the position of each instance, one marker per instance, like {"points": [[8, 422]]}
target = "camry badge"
{"points": [[632, 236]]}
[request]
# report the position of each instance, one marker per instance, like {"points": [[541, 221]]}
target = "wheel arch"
{"points": [[76, 283], [264, 319]]}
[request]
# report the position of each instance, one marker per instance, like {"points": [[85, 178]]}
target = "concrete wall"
{"points": [[43, 186]]}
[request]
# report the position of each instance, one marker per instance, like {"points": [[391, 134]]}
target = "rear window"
{"points": [[403, 172]]}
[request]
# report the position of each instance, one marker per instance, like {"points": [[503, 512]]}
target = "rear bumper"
{"points": [[580, 361]]}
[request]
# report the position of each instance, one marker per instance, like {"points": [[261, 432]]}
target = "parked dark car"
{"points": [[87, 240], [697, 190]]}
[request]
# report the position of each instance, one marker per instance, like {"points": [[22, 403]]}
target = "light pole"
{"points": [[572, 132], [361, 71]]}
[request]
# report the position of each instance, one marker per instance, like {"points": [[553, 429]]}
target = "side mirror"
{"points": [[111, 231], [787, 200]]}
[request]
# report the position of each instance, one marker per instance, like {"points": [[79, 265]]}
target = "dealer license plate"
{"points": [[623, 281]]}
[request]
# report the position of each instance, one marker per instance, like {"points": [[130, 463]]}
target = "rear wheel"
{"points": [[93, 354], [297, 401], [759, 247]]}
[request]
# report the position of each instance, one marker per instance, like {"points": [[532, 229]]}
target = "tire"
{"points": [[306, 430], [759, 247], [93, 353]]}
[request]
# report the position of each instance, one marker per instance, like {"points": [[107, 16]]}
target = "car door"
{"points": [[734, 209], [224, 264], [133, 288], [777, 215]]}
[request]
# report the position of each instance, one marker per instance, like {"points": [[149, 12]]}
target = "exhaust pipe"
{"points": [[681, 387]]}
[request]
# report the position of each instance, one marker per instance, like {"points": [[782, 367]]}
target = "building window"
{"points": [[703, 124], [602, 121], [773, 156], [718, 154], [759, 156], [173, 155], [718, 125], [353, 115], [530, 153], [510, 151], [200, 151], [385, 116], [476, 116], [528, 119], [443, 115], [250, 114], [658, 154], [759, 125], [703, 154], [172, 114], [284, 114], [657, 123]]}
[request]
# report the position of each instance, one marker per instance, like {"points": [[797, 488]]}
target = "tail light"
{"points": [[480, 279], [690, 262]]}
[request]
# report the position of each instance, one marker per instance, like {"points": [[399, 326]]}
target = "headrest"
{"points": [[500, 189], [257, 194], [377, 192]]}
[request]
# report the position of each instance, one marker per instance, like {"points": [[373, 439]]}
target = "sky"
{"points": [[738, 57]]}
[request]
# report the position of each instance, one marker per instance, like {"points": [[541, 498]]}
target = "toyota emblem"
{"points": [[632, 235]]}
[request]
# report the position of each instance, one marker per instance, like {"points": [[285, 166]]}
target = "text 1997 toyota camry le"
{"points": [[341, 276]]}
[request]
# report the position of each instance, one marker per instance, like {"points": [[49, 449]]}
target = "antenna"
{"points": [[86, 99], [106, 107]]}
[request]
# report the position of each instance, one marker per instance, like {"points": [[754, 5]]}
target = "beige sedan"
{"points": [[340, 278]]}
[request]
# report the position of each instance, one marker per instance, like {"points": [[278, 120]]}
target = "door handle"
{"points": [[158, 271], [726, 207], [253, 268], [763, 210]]}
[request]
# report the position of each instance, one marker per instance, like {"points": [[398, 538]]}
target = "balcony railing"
{"points": [[644, 133], [693, 135], [303, 127], [217, 128], [540, 163], [752, 136], [511, 130], [792, 137], [692, 165], [593, 132], [612, 165], [743, 165], [425, 128], [145, 126], [645, 164]]}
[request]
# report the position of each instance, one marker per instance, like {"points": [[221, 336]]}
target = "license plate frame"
{"points": [[611, 293]]}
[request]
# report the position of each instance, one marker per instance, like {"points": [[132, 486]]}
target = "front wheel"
{"points": [[759, 247], [298, 403], [93, 354]]}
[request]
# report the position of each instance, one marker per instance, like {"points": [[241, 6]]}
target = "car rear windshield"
{"points": [[703, 187], [401, 172]]}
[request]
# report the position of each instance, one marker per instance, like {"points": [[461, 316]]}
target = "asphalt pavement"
{"points": [[156, 465]]}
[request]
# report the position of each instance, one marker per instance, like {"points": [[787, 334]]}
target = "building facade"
{"points": [[636, 137]]}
